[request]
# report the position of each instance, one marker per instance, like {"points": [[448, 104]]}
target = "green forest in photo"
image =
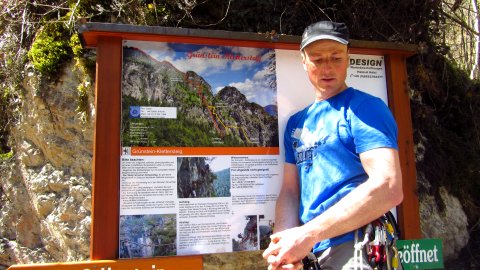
{"points": [[148, 236]]}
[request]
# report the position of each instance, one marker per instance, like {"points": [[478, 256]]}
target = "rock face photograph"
{"points": [[198, 177], [221, 96]]}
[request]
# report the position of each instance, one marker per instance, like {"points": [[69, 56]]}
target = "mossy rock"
{"points": [[50, 48]]}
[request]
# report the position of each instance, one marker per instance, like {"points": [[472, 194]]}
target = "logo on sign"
{"points": [[134, 111]]}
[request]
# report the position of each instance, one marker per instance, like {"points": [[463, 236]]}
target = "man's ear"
{"points": [[303, 61], [348, 56]]}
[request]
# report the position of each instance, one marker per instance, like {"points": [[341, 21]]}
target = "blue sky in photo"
{"points": [[214, 65], [219, 163]]}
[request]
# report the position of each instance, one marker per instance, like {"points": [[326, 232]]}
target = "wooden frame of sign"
{"points": [[107, 39]]}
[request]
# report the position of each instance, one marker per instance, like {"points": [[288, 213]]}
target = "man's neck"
{"points": [[323, 94]]}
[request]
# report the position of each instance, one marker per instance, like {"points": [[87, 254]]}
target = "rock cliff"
{"points": [[45, 206]]}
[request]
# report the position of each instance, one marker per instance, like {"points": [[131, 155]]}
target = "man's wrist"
{"points": [[311, 234]]}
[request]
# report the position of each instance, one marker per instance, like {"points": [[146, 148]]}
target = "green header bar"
{"points": [[421, 253]]}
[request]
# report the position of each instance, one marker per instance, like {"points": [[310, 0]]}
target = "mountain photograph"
{"points": [[232, 104]]}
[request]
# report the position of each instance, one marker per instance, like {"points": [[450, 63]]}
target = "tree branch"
{"points": [[460, 22]]}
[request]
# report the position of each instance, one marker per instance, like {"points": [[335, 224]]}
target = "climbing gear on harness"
{"points": [[310, 262], [359, 247], [379, 242]]}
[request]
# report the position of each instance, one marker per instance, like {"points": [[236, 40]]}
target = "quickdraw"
{"points": [[380, 246]]}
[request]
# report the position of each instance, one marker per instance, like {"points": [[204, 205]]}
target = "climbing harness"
{"points": [[379, 245], [310, 262], [379, 242]]}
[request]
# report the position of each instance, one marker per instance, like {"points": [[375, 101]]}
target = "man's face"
{"points": [[326, 63]]}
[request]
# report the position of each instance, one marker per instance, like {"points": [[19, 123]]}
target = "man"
{"points": [[342, 168]]}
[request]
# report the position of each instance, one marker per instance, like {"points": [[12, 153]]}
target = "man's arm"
{"points": [[381, 192], [287, 205], [286, 210]]}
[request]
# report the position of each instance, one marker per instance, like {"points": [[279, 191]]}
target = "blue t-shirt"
{"points": [[325, 139]]}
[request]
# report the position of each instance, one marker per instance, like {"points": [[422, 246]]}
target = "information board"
{"points": [[201, 135]]}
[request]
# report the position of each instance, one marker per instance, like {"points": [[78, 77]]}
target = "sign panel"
{"points": [[202, 135], [200, 164], [367, 73], [421, 253]]}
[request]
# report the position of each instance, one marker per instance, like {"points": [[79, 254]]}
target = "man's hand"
{"points": [[288, 248], [291, 266]]}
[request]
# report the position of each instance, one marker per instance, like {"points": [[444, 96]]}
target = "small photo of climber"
{"points": [[246, 234], [265, 226]]}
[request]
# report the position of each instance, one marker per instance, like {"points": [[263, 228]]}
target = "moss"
{"points": [[53, 46], [83, 104], [50, 48], [76, 46], [6, 156], [87, 68], [85, 64]]}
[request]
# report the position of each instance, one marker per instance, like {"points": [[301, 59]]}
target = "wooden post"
{"points": [[399, 102], [106, 158]]}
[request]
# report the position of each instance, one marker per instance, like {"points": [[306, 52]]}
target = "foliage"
{"points": [[76, 46], [446, 117], [87, 67], [48, 25], [5, 119], [222, 183], [447, 122], [12, 63], [186, 132], [83, 100], [53, 45], [6, 156], [160, 229], [50, 48]]}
